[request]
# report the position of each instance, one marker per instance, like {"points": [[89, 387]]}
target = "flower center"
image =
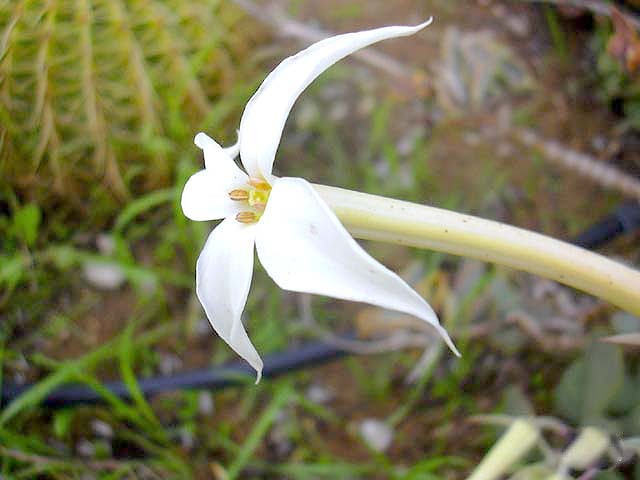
{"points": [[255, 197]]}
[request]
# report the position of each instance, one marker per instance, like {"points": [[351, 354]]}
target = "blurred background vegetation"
{"points": [[99, 103]]}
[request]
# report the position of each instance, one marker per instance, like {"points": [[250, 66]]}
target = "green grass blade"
{"points": [[282, 395]]}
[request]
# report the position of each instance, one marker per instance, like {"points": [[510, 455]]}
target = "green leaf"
{"points": [[626, 397], [608, 476], [26, 223], [262, 425], [516, 402], [141, 205], [11, 271], [589, 385], [632, 422], [428, 468], [623, 322], [62, 420]]}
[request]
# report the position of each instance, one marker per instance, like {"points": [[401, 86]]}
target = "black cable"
{"points": [[233, 373], [625, 219]]}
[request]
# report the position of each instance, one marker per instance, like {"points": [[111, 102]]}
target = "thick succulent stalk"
{"points": [[378, 218]]}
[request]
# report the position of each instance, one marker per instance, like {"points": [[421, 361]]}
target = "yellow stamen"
{"points": [[238, 194], [259, 184], [246, 217]]}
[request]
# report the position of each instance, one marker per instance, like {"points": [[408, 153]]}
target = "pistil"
{"points": [[255, 196], [258, 198]]}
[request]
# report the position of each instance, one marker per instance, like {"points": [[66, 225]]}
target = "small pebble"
{"points": [[85, 448], [319, 394], [104, 276], [105, 244], [599, 143], [169, 363], [186, 439], [102, 429], [381, 166], [279, 438], [338, 111], [205, 403], [19, 378], [518, 25], [378, 435]]}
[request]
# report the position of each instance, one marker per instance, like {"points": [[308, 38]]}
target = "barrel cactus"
{"points": [[105, 92]]}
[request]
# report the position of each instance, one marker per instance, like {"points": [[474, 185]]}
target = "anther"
{"points": [[246, 217], [258, 183], [238, 194]]}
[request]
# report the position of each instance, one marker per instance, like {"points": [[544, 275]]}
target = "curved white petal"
{"points": [[206, 195], [223, 277], [233, 150], [267, 111], [216, 157], [304, 248]]}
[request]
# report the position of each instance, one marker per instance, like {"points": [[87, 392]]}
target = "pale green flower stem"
{"points": [[383, 219], [514, 444]]}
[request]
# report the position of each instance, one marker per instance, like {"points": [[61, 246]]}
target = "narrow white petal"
{"points": [[216, 157], [223, 277], [206, 195], [233, 150], [304, 248], [267, 111]]}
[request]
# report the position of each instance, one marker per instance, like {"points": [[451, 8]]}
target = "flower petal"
{"points": [[206, 193], [206, 196], [304, 248], [223, 277], [216, 157], [267, 111], [233, 150]]}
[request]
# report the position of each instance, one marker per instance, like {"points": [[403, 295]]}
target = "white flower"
{"points": [[300, 242]]}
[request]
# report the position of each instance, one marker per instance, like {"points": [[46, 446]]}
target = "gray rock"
{"points": [[376, 434], [104, 276]]}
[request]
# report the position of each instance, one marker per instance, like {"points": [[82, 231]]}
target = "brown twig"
{"points": [[288, 27], [606, 175], [547, 341]]}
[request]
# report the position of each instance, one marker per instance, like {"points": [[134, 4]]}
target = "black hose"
{"points": [[233, 373], [625, 219]]}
